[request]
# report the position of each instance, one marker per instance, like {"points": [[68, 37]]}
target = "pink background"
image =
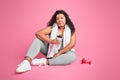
{"points": [[97, 25]]}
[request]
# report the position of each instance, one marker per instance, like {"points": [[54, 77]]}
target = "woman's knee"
{"points": [[37, 40], [72, 57]]}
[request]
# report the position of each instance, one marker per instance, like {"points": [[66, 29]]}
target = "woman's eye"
{"points": [[57, 19]]}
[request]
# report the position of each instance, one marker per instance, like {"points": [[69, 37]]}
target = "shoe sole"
{"points": [[23, 71]]}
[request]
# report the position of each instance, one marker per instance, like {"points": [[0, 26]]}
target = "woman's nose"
{"points": [[60, 19]]}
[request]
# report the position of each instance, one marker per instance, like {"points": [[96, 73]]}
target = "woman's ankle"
{"points": [[47, 62], [28, 58]]}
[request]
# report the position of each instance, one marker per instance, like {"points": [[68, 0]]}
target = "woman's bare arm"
{"points": [[42, 34]]}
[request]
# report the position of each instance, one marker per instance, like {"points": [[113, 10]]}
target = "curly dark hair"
{"points": [[68, 20]]}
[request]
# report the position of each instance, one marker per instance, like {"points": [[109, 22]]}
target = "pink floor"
{"points": [[97, 25]]}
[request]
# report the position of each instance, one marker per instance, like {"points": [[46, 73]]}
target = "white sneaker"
{"points": [[24, 66], [41, 61]]}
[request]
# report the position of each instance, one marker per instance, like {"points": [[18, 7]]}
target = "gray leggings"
{"points": [[41, 46]]}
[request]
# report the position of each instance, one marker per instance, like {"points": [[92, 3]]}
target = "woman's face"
{"points": [[60, 20]]}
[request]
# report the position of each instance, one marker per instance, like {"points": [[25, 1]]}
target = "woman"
{"points": [[56, 42]]}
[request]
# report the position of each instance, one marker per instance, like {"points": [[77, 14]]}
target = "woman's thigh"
{"points": [[44, 48]]}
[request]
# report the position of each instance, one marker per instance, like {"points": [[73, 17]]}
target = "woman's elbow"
{"points": [[73, 45], [37, 34]]}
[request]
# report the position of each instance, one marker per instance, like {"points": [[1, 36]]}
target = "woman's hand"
{"points": [[55, 41], [56, 55]]}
